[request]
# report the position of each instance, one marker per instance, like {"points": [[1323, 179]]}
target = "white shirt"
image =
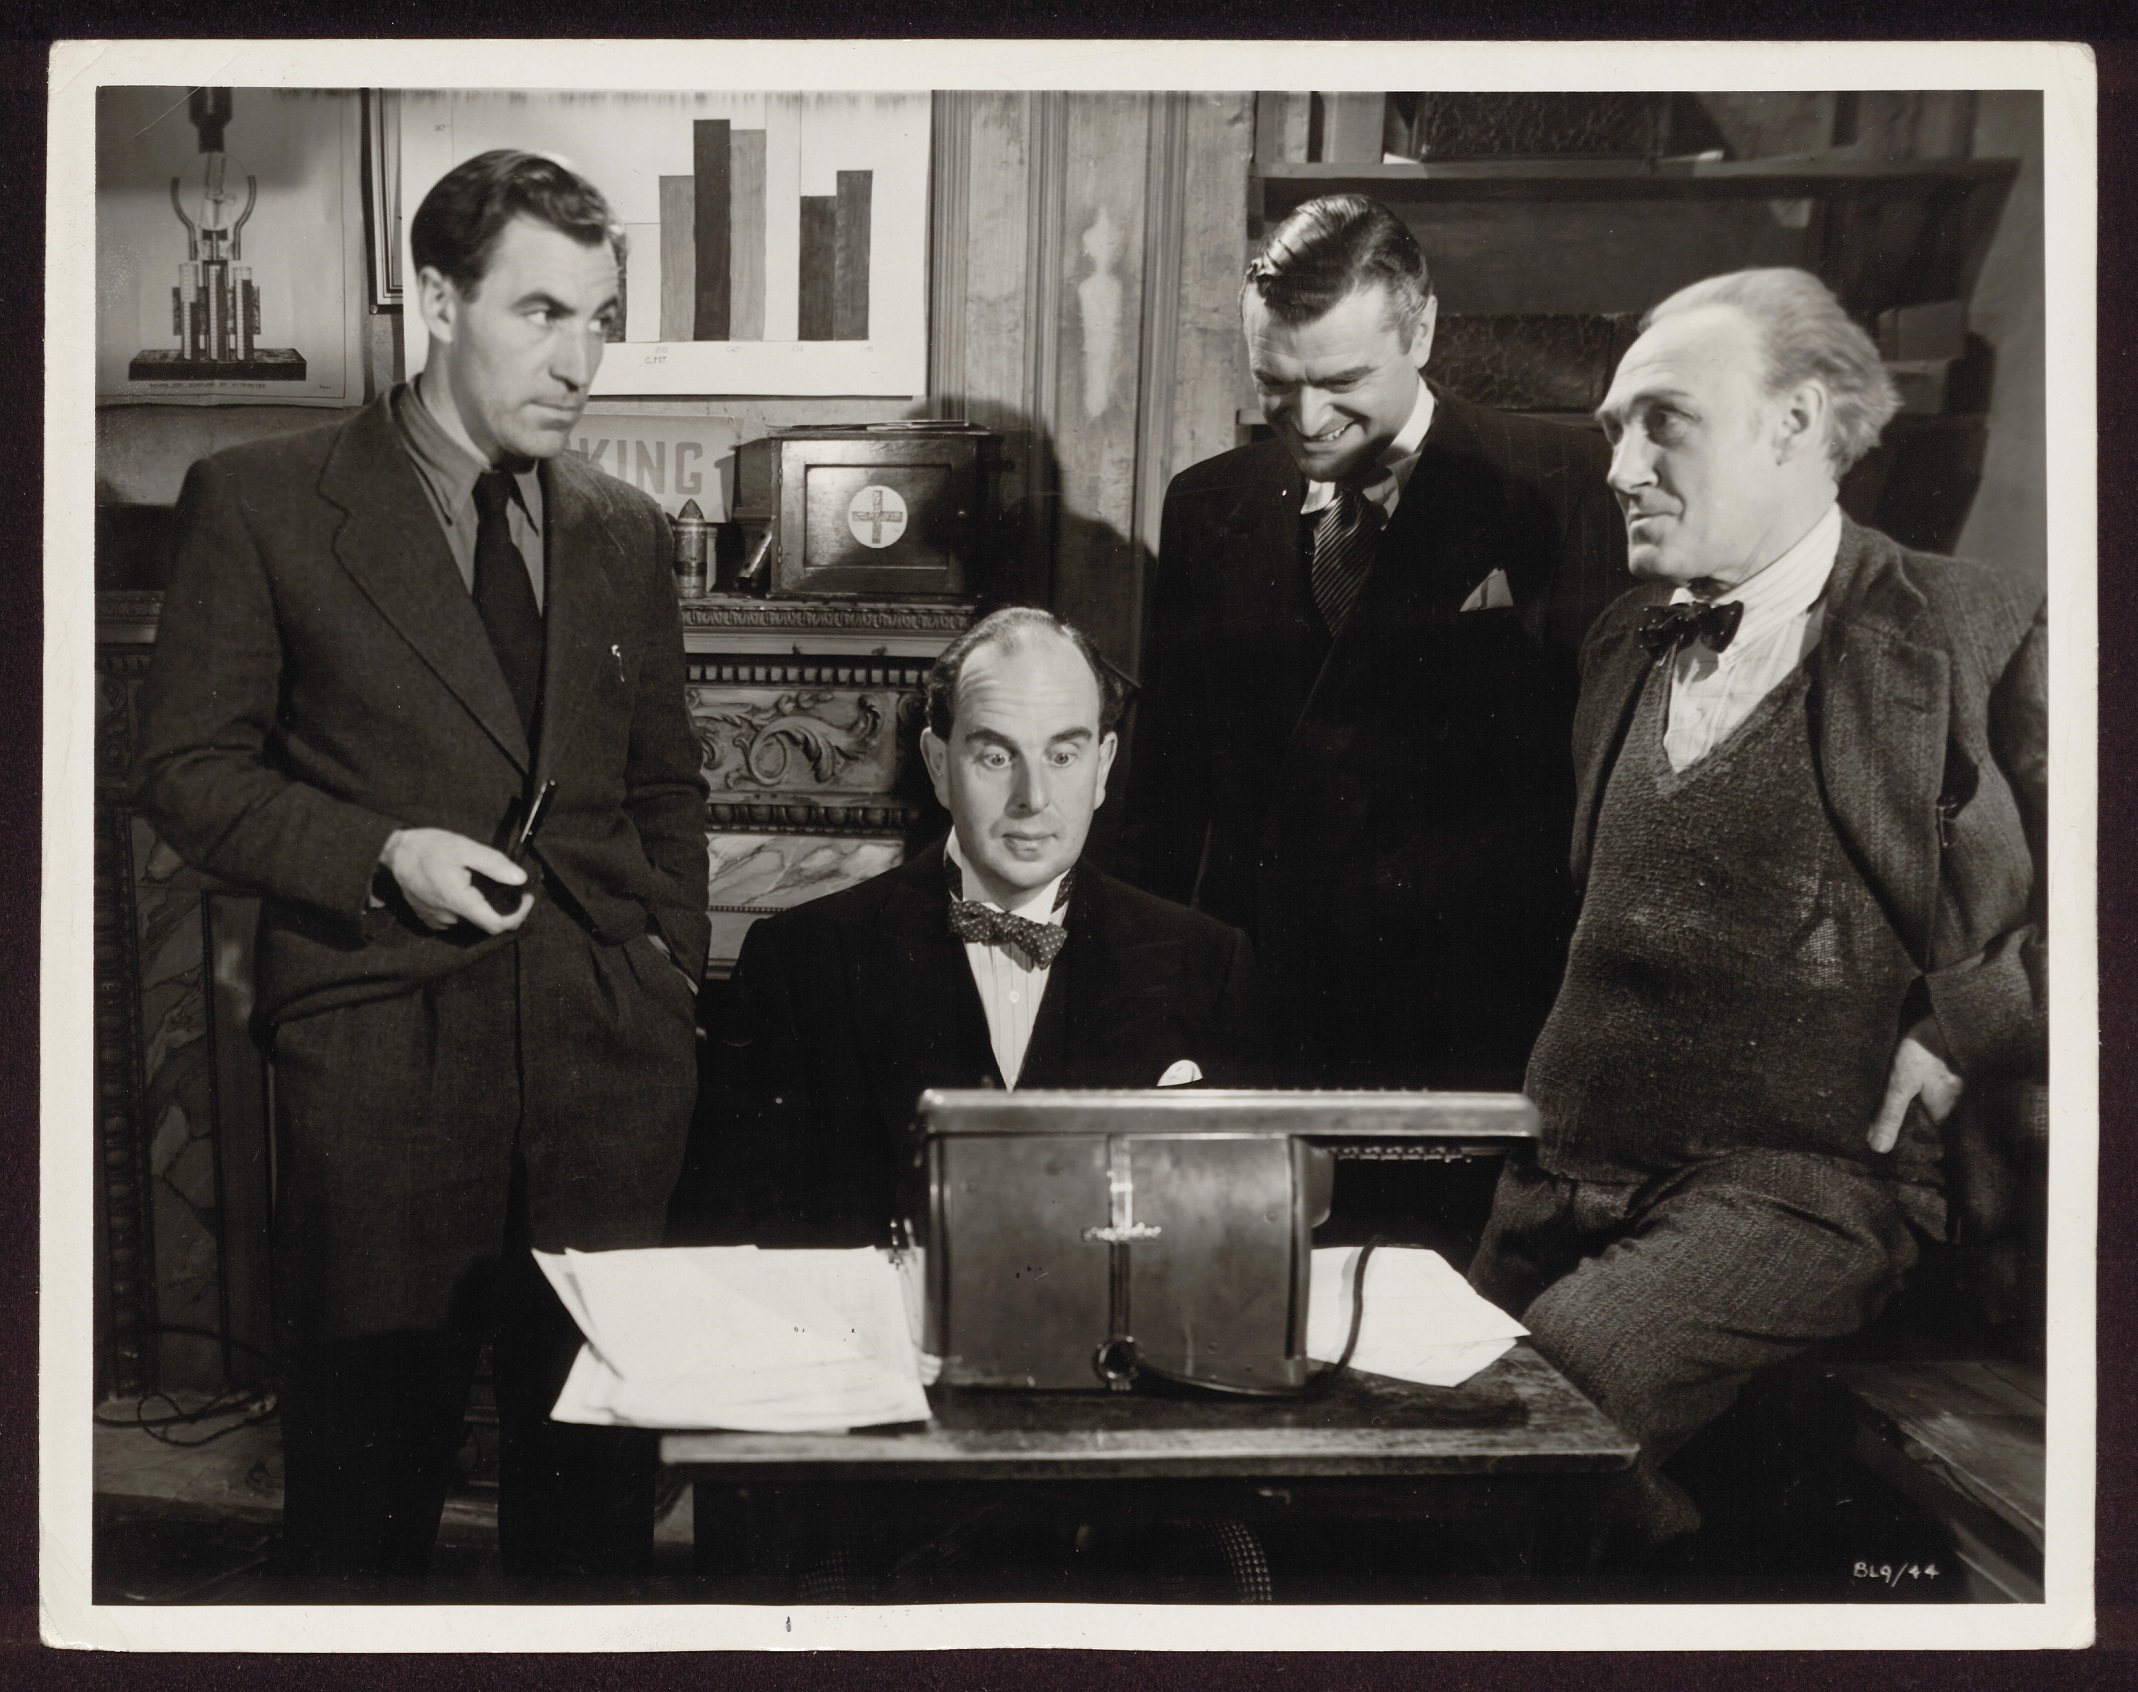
{"points": [[1010, 984], [1709, 694], [1392, 474]]}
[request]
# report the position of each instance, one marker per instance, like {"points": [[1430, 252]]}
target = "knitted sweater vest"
{"points": [[1733, 981]]}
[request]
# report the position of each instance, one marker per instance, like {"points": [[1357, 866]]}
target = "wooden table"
{"points": [[1505, 1460]]}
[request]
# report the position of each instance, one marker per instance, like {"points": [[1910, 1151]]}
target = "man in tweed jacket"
{"points": [[1358, 672], [381, 639], [1809, 826]]}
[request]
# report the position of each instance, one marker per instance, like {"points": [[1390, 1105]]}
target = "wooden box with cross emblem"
{"points": [[881, 509], [1082, 1239]]}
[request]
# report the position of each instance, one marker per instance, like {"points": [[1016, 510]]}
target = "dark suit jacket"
{"points": [[322, 678], [851, 1005], [1929, 712], [1383, 814]]}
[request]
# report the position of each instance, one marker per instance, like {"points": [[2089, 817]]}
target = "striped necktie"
{"points": [[1344, 534]]}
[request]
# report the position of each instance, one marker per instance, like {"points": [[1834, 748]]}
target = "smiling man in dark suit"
{"points": [[1358, 676], [994, 959], [382, 640]]}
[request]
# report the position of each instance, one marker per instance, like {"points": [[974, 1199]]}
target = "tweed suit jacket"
{"points": [[1929, 710], [322, 678], [851, 1005], [1382, 812]]}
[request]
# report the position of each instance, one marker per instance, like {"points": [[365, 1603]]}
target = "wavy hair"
{"points": [[1330, 248], [463, 217]]}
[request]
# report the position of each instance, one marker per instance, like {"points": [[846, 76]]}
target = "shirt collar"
{"points": [[450, 468], [1038, 908], [1787, 588], [1392, 470]]}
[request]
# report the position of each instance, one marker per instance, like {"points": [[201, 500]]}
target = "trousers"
{"points": [[1659, 1299], [539, 1097]]}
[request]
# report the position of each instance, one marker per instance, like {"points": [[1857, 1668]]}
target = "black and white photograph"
{"points": [[1241, 868]]}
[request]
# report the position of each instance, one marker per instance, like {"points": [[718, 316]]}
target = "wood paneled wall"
{"points": [[1088, 250]]}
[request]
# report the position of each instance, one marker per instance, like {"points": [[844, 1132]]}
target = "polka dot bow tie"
{"points": [[978, 923], [1665, 628]]}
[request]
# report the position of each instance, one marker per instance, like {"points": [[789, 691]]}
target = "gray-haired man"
{"points": [[1811, 772]]}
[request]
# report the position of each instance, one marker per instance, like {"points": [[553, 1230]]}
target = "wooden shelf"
{"points": [[1880, 233], [1284, 185]]}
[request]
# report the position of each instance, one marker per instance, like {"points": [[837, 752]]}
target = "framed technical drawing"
{"points": [[778, 242], [228, 268]]}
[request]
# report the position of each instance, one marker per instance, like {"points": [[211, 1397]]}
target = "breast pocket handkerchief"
{"points": [[1491, 594]]}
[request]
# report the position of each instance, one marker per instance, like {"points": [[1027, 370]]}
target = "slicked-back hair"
{"points": [[1011, 628], [462, 218], [1806, 336], [1328, 250]]}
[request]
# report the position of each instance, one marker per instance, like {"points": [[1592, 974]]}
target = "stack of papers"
{"points": [[733, 1337], [1423, 1323]]}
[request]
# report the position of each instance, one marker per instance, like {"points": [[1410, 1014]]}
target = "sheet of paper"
{"points": [[732, 1337], [587, 1389], [1422, 1323], [656, 1311]]}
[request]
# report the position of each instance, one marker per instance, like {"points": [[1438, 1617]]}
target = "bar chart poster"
{"points": [[778, 242]]}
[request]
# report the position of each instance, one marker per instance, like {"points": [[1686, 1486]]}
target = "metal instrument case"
{"points": [[1068, 1240]]}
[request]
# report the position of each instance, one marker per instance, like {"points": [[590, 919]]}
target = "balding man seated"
{"points": [[993, 960]]}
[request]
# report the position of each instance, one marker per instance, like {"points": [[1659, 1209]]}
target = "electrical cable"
{"points": [[1318, 1382], [251, 1406]]}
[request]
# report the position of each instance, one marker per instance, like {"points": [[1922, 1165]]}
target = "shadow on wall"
{"points": [[1048, 553]]}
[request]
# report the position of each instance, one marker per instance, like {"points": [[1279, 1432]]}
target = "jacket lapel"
{"points": [[1047, 1055], [1437, 523], [1612, 673], [1880, 704], [1254, 578], [1107, 984], [1062, 1027], [390, 544], [579, 553], [916, 1010], [1410, 592]]}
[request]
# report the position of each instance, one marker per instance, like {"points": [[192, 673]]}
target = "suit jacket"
{"points": [[1382, 812], [1929, 715], [852, 1005], [322, 678]]}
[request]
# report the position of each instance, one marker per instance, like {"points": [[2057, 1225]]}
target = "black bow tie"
{"points": [[1665, 628], [978, 923]]}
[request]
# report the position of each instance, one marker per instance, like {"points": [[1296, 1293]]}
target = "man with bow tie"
{"points": [[1810, 832], [994, 959], [1358, 674]]}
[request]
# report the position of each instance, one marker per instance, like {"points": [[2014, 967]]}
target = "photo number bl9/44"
{"points": [[1892, 1574]]}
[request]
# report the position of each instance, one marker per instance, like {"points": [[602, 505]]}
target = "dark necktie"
{"points": [[1665, 628], [978, 923], [504, 597], [1344, 534]]}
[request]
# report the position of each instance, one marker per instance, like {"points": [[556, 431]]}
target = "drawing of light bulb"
{"points": [[215, 309]]}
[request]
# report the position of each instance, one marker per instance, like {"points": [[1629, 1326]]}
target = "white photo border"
{"points": [[2065, 76]]}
